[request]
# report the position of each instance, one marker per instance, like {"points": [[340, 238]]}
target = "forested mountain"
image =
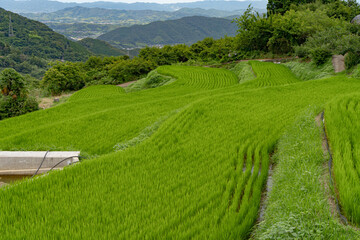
{"points": [[27, 44], [36, 6], [186, 30], [80, 22], [100, 47], [123, 17]]}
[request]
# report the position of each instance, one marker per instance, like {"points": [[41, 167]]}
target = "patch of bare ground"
{"points": [[126, 84], [48, 102], [325, 179]]}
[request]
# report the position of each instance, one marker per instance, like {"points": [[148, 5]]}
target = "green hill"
{"points": [[188, 160], [80, 22], [99, 47], [123, 17], [37, 39], [186, 30], [27, 45]]}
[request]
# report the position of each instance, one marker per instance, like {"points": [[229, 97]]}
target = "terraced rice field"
{"points": [[342, 122], [193, 161]]}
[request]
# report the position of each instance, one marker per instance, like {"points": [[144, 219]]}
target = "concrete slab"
{"points": [[27, 162]]}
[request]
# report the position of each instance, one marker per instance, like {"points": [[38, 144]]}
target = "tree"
{"points": [[14, 99], [64, 77], [12, 84]]}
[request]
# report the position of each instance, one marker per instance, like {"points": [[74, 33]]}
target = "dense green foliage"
{"points": [[192, 156], [68, 76], [187, 30], [99, 47], [63, 77], [206, 50], [341, 120], [35, 38], [14, 98], [32, 45]]}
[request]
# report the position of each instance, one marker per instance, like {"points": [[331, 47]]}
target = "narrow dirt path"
{"points": [[48, 102], [126, 84], [327, 179]]}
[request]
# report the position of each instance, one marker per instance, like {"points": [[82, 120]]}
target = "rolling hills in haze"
{"points": [[123, 17], [79, 22], [37, 6], [186, 30]]}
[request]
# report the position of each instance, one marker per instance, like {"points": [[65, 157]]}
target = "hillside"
{"points": [[186, 160], [123, 17], [35, 38], [31, 44], [80, 22], [186, 30], [38, 6], [99, 47]]}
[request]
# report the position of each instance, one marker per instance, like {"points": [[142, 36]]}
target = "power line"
{"points": [[11, 30]]}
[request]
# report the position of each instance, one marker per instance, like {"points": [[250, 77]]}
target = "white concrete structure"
{"points": [[27, 162], [338, 62]]}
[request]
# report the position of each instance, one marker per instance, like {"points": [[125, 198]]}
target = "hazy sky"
{"points": [[130, 1]]}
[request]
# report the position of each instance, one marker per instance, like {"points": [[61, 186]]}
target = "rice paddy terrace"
{"points": [[185, 160]]}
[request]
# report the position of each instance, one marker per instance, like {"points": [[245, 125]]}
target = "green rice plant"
{"points": [[268, 75], [199, 173], [97, 92], [296, 207], [342, 117]]}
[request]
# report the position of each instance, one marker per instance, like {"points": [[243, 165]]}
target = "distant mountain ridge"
{"points": [[187, 30], [38, 6], [124, 17], [79, 22]]}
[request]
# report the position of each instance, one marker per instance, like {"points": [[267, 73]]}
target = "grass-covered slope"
{"points": [[197, 173]]}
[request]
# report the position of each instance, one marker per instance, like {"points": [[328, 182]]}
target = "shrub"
{"points": [[64, 77], [14, 100], [352, 59], [320, 55]]}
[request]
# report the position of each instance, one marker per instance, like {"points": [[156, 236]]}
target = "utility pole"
{"points": [[11, 30]]}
